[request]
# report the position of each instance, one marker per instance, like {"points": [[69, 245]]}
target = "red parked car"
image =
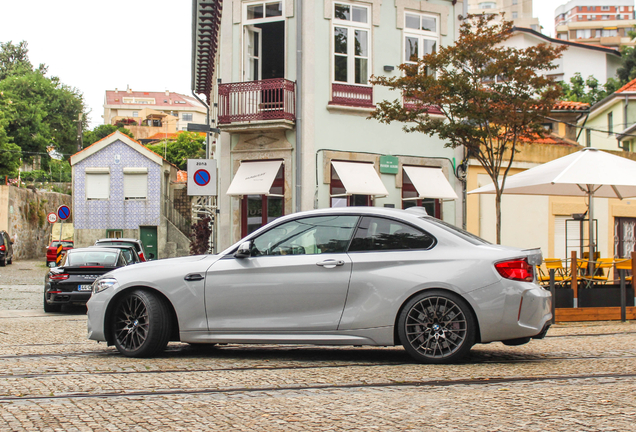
{"points": [[51, 251]]}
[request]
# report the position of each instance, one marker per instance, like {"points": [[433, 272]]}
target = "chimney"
{"points": [[167, 93], [128, 89], [116, 90]]}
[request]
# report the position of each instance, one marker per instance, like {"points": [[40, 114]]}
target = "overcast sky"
{"points": [[97, 46]]}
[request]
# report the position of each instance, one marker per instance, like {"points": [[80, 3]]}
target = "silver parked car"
{"points": [[349, 276]]}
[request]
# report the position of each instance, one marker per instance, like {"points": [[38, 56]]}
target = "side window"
{"points": [[374, 234], [308, 236]]}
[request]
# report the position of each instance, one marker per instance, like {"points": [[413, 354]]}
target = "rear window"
{"points": [[118, 243], [465, 235], [64, 244], [91, 258]]}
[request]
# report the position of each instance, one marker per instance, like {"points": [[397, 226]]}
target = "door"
{"points": [[253, 54], [148, 236], [296, 279]]}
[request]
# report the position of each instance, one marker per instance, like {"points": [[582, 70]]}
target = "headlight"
{"points": [[101, 284]]}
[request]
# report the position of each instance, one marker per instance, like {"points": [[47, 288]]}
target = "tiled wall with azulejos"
{"points": [[116, 213]]}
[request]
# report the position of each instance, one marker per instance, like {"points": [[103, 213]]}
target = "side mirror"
{"points": [[244, 250]]}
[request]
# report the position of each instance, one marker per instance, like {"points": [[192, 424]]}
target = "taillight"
{"points": [[141, 256], [60, 276], [516, 270], [3, 248]]}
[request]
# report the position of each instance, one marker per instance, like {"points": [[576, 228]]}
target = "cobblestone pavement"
{"points": [[582, 377]]}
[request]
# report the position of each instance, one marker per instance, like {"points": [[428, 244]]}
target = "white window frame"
{"points": [[421, 35], [190, 115], [97, 183], [135, 184], [251, 22], [351, 27]]}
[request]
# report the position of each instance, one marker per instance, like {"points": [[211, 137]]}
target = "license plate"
{"points": [[84, 287]]}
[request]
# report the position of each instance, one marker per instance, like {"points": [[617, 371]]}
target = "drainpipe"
{"points": [[299, 109]]}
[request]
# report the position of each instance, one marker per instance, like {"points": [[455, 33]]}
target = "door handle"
{"points": [[330, 263], [193, 277]]}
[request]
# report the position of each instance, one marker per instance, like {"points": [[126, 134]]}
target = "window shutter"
{"points": [[135, 183], [97, 184]]}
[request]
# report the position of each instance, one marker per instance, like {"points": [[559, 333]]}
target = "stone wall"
{"points": [[25, 213]]}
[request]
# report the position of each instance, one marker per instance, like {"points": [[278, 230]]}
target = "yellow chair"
{"points": [[625, 264], [560, 275], [600, 275]]}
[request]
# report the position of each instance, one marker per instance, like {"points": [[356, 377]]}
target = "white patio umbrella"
{"points": [[589, 172]]}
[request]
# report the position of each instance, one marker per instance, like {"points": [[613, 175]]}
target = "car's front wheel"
{"points": [[141, 324], [437, 327]]}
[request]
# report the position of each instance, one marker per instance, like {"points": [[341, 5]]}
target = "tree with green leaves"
{"points": [[188, 145], [10, 153], [491, 97], [589, 90], [102, 131], [40, 112]]}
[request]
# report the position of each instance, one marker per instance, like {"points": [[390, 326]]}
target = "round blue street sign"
{"points": [[201, 177], [63, 212]]}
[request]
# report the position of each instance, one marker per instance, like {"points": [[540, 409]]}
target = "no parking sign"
{"points": [[202, 177]]}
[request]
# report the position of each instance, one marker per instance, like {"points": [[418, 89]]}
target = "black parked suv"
{"points": [[6, 249]]}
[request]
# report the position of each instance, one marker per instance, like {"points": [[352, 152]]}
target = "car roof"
{"points": [[118, 240], [93, 249]]}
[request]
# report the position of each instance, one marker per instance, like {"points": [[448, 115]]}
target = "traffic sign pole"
{"points": [[63, 212]]}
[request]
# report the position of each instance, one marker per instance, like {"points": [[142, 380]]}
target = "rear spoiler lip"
{"points": [[535, 256]]}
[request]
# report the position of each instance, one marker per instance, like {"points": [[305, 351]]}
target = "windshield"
{"points": [[92, 258], [471, 238]]}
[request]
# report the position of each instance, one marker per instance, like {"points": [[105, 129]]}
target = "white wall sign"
{"points": [[202, 177]]}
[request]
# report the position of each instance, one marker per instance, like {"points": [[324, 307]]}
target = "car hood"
{"points": [[150, 270]]}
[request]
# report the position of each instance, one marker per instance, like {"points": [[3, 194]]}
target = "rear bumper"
{"points": [[512, 310], [67, 297]]}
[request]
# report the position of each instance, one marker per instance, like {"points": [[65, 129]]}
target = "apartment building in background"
{"points": [[146, 113], [517, 11], [596, 22]]}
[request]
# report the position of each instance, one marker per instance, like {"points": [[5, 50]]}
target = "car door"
{"points": [[389, 258], [295, 279]]}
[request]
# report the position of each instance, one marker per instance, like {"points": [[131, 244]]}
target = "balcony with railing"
{"points": [[354, 96], [267, 103], [415, 105]]}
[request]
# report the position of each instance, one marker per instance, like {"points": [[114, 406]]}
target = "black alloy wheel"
{"points": [[141, 324], [437, 327]]}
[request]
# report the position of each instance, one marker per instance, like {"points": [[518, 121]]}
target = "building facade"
{"points": [[611, 124], [294, 100], [588, 60], [122, 189], [517, 11], [147, 113], [596, 22]]}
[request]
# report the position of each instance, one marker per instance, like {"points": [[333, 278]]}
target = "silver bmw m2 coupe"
{"points": [[349, 276]]}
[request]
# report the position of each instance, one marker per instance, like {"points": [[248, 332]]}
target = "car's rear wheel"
{"points": [[141, 324], [437, 327], [3, 262], [50, 307]]}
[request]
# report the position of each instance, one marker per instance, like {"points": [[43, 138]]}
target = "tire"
{"points": [[437, 327], [51, 308], [141, 324], [3, 262], [11, 260]]}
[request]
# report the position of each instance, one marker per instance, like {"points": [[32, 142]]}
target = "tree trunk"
{"points": [[498, 214]]}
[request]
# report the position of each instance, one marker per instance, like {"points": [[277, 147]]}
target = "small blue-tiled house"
{"points": [[122, 189]]}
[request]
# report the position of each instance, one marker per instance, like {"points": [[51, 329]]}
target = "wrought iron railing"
{"points": [[416, 105], [173, 214], [270, 99], [351, 95]]}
